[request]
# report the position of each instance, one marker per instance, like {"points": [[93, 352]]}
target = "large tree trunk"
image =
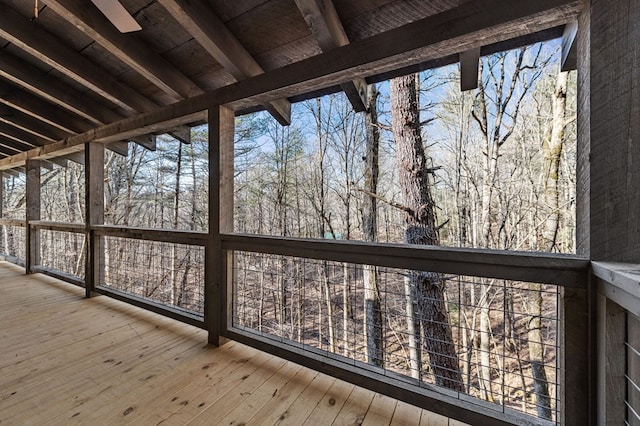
{"points": [[372, 303], [424, 291], [552, 148]]}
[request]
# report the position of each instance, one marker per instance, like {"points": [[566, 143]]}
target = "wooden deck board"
{"points": [[65, 360]]}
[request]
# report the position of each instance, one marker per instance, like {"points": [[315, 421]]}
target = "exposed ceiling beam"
{"points": [[205, 26], [22, 73], [42, 110], [569, 60], [31, 124], [181, 133], [28, 139], [12, 146], [76, 157], [47, 48], [57, 92], [325, 24], [469, 67], [471, 25], [119, 147], [126, 47]]}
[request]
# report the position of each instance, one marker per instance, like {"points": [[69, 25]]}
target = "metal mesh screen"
{"points": [[492, 340], [632, 374], [172, 274], [12, 242], [63, 251]]}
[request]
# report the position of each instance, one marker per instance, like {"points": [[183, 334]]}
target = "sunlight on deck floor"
{"points": [[65, 359]]}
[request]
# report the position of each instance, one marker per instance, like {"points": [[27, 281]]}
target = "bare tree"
{"points": [[428, 320], [372, 300]]}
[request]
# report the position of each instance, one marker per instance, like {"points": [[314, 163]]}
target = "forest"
{"points": [[426, 164]]}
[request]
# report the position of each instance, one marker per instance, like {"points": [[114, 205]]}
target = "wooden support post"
{"points": [[1, 194], [611, 362], [32, 246], [608, 179], [575, 357], [94, 205], [218, 263]]}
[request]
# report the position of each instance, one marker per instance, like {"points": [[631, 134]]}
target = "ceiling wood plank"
{"points": [[49, 49], [325, 25], [471, 25], [126, 47], [205, 26]]}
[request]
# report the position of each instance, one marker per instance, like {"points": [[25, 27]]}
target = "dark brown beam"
{"points": [[28, 139], [11, 147], [49, 49], [126, 47], [54, 90], [325, 25], [422, 41], [205, 26], [57, 92], [469, 66], [76, 157], [31, 124], [42, 110], [569, 61], [181, 133]]}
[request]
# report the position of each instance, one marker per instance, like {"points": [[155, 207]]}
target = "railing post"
{"points": [[94, 205], [217, 279], [32, 196], [611, 362], [1, 194]]}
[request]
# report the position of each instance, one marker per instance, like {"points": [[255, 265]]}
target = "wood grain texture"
{"points": [[470, 25], [614, 131], [135, 367]]}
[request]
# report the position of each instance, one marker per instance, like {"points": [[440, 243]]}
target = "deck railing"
{"points": [[618, 342], [306, 300], [277, 301]]}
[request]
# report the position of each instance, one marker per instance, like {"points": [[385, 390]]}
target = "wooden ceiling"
{"points": [[66, 70]]}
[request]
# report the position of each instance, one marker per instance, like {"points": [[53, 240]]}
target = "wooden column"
{"points": [[32, 246], [577, 311], [1, 194], [608, 180], [94, 205], [611, 362], [218, 275]]}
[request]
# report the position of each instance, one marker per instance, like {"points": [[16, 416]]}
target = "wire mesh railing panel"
{"points": [[632, 370], [63, 251], [168, 273], [495, 341], [12, 242]]}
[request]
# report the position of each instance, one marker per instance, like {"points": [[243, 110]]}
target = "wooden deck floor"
{"points": [[65, 359]]}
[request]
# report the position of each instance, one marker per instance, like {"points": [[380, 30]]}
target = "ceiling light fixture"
{"points": [[118, 15]]}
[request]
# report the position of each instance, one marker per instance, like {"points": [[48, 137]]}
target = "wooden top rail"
{"points": [[620, 282], [77, 228], [548, 268], [196, 238], [12, 222]]}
